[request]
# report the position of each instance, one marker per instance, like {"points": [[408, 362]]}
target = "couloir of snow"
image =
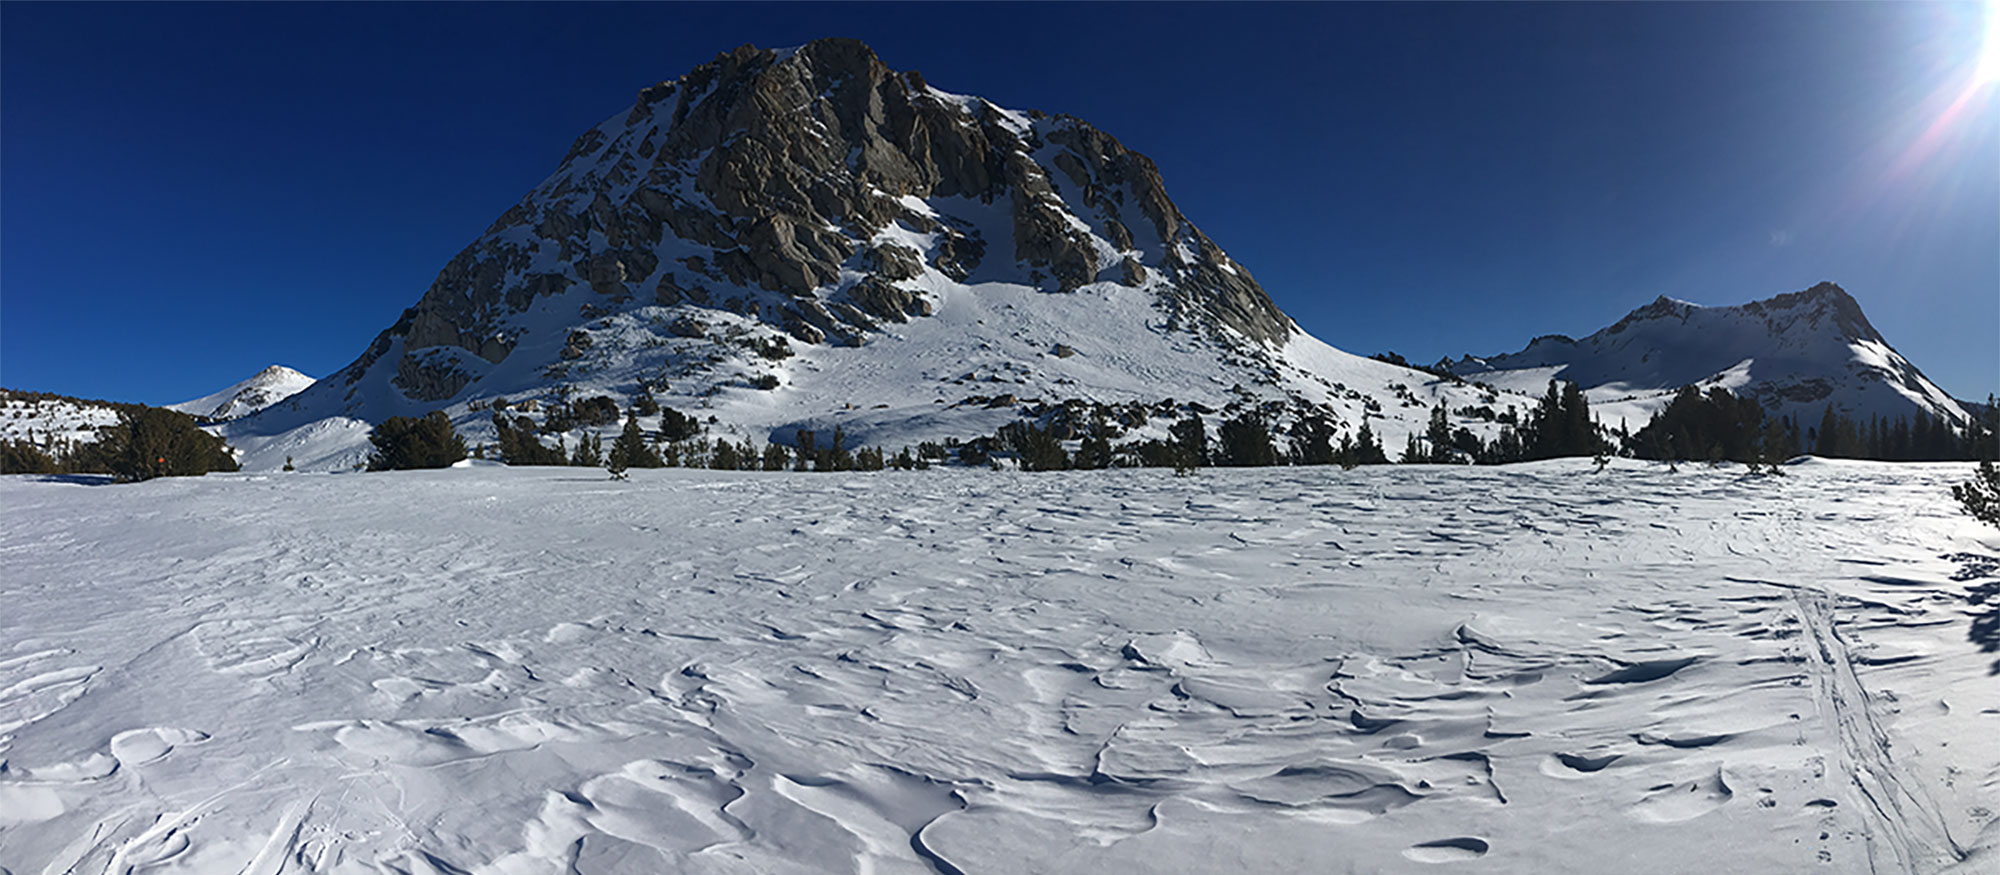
{"points": [[263, 389], [1533, 668]]}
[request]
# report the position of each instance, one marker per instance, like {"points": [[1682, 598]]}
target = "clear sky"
{"points": [[191, 192]]}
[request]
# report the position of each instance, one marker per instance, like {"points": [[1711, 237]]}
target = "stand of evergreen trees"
{"points": [[1921, 438], [1719, 426], [1559, 426], [1714, 427], [146, 442], [1695, 426], [404, 443]]}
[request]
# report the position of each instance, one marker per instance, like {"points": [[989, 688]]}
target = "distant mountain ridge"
{"points": [[1797, 353], [263, 389], [805, 239]]}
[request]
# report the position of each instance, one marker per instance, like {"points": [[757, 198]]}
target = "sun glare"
{"points": [[1989, 50]]}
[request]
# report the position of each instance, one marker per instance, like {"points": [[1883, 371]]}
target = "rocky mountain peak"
{"points": [[276, 373], [826, 195], [1824, 301], [262, 389], [1796, 353]]}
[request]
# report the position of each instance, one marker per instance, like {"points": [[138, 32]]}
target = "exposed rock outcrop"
{"points": [[816, 189]]}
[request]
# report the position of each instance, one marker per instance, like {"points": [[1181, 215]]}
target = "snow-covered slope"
{"points": [[1531, 669], [1797, 353], [51, 420], [807, 238], [265, 388]]}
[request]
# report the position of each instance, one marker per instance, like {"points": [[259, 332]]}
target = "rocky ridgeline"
{"points": [[810, 190], [1796, 354]]}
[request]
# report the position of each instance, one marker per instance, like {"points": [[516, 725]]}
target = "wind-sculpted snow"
{"points": [[1526, 669]]}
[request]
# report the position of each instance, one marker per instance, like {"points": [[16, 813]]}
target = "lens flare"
{"points": [[1989, 50]]}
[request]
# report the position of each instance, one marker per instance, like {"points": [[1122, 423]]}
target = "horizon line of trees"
{"points": [[1712, 426], [145, 442]]}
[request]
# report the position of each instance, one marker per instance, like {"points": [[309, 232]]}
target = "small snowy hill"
{"points": [[51, 420], [806, 238], [1796, 353], [267, 387]]}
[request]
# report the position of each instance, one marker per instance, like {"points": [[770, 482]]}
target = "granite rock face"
{"points": [[818, 189]]}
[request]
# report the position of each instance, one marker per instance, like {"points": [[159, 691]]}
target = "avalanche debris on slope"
{"points": [[520, 670]]}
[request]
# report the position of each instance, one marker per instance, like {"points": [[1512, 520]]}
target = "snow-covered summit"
{"points": [[1797, 353], [810, 239], [263, 389]]}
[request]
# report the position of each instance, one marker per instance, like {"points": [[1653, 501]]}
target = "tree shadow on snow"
{"points": [[77, 479], [1985, 598]]}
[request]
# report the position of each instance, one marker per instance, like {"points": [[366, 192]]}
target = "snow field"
{"points": [[1532, 668]]}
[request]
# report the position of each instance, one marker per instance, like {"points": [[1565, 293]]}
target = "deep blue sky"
{"points": [[191, 192]]}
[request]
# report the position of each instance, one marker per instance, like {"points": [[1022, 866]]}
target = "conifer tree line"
{"points": [[145, 442], [1715, 425], [403, 443]]}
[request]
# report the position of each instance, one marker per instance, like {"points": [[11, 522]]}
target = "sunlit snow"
{"points": [[1532, 669]]}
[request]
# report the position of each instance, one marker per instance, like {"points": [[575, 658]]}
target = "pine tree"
{"points": [[837, 457], [1312, 443], [24, 457], [589, 452], [1246, 442], [630, 449], [676, 426], [403, 443], [519, 445], [1367, 448], [1095, 450], [1980, 496], [1345, 455], [1438, 435], [1038, 448], [1413, 454], [808, 449], [726, 457], [868, 459], [1190, 439]]}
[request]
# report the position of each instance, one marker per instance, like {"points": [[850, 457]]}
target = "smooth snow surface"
{"points": [[1528, 669]]}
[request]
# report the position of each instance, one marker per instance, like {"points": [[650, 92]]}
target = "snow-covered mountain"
{"points": [[265, 388], [806, 238], [1796, 353]]}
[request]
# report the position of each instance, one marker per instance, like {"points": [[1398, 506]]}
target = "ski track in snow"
{"points": [[1526, 669]]}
